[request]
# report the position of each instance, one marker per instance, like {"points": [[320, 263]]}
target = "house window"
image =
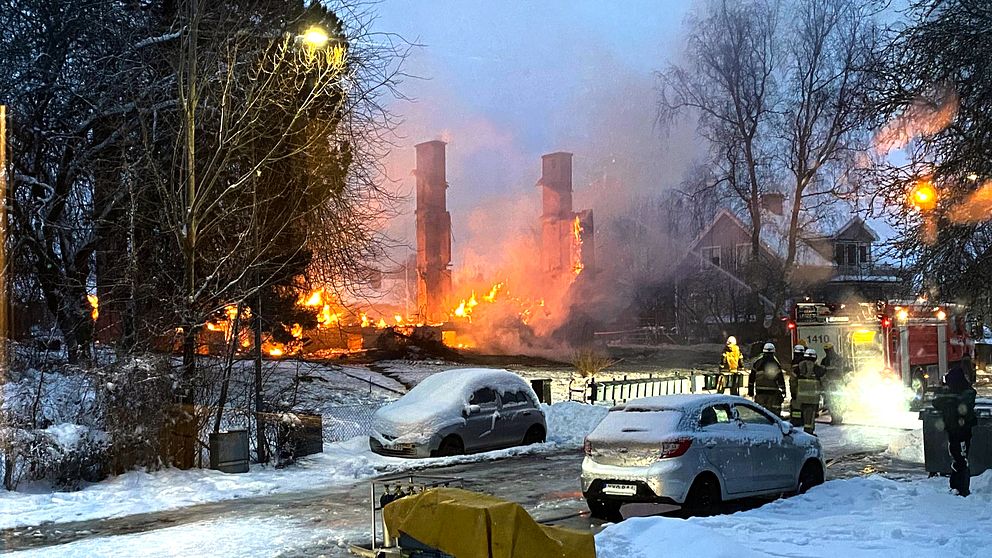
{"points": [[743, 255], [711, 254], [852, 253]]}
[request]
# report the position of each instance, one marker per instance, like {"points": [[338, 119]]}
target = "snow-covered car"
{"points": [[460, 411], [694, 451]]}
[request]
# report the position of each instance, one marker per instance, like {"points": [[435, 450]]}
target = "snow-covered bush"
{"points": [[135, 401], [64, 424]]}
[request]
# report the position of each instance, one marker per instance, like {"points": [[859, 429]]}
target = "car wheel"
{"points": [[535, 435], [451, 445], [605, 509], [704, 497], [810, 476]]}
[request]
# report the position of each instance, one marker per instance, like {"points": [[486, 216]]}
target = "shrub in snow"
{"points": [[65, 424]]}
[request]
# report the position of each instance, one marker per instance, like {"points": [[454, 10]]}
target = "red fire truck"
{"points": [[916, 341]]}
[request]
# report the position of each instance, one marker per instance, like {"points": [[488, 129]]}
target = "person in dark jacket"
{"points": [[767, 382], [806, 391], [957, 409], [832, 376]]}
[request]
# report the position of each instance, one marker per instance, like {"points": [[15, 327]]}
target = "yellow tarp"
{"points": [[471, 525]]}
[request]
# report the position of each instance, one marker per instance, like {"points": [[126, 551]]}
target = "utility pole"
{"points": [[4, 264]]}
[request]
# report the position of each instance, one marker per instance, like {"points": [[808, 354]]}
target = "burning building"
{"points": [[567, 246], [433, 233]]}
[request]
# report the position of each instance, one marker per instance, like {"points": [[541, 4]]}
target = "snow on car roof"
{"points": [[685, 402], [463, 381]]}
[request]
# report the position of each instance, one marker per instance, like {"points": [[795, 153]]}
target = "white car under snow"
{"points": [[694, 451], [460, 411]]}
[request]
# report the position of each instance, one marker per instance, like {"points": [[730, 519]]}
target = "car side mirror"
{"points": [[470, 410], [785, 427]]}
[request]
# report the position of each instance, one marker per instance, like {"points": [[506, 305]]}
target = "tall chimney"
{"points": [[556, 217], [433, 233]]}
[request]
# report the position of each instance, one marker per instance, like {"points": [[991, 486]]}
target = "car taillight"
{"points": [[586, 446], [675, 448]]}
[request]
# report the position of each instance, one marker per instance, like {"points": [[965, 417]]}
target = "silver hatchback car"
{"points": [[460, 411], [694, 451]]}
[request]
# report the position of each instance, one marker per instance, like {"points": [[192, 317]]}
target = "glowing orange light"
{"points": [[923, 196]]}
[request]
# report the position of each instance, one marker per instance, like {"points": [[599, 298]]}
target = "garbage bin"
{"points": [[542, 387], [936, 458], [229, 451]]}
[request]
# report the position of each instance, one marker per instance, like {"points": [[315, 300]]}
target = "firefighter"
{"points": [[767, 382], [798, 355], [832, 376], [806, 391], [730, 365], [957, 409]]}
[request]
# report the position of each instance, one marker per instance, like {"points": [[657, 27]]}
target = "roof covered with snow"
{"points": [[682, 402]]}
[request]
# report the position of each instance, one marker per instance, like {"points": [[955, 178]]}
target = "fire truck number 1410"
{"points": [[820, 339]]}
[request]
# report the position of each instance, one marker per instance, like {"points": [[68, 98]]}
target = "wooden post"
{"points": [[5, 332]]}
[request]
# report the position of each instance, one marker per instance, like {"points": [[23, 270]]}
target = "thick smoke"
{"points": [[622, 167]]}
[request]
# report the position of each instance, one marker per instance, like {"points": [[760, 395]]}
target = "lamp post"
{"points": [[314, 38], [4, 267]]}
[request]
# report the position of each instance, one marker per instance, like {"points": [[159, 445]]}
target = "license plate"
{"points": [[620, 489]]}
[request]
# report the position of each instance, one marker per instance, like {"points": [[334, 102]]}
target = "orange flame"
{"points": [[577, 229], [94, 305]]}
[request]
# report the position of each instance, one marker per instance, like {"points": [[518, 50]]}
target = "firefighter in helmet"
{"points": [[730, 365], [833, 369], [798, 355], [806, 391], [767, 383]]}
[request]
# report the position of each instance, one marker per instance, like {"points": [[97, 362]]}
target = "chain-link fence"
{"points": [[347, 421]]}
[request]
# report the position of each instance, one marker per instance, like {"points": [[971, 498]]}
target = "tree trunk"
{"points": [[259, 400], [225, 384]]}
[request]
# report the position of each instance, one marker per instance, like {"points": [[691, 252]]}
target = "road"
{"points": [[546, 485]]}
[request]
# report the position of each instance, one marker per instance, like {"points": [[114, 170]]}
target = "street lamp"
{"points": [[315, 37], [923, 196]]}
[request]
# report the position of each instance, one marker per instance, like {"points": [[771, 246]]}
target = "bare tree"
{"points": [[826, 58], [778, 91], [65, 86], [728, 82]]}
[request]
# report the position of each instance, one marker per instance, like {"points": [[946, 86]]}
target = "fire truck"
{"points": [[915, 341]]}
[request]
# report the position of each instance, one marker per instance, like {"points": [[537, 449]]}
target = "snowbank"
{"points": [[870, 516], [341, 463]]}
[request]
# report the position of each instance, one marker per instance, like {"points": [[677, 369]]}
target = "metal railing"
{"points": [[612, 392]]}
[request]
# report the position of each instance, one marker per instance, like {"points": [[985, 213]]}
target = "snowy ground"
{"points": [[341, 463], [871, 516], [276, 537]]}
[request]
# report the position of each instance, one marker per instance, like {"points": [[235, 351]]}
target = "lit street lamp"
{"points": [[923, 196], [315, 37]]}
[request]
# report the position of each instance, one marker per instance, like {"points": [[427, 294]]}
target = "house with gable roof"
{"points": [[843, 266]]}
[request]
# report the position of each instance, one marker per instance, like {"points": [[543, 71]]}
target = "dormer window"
{"points": [[852, 253]]}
